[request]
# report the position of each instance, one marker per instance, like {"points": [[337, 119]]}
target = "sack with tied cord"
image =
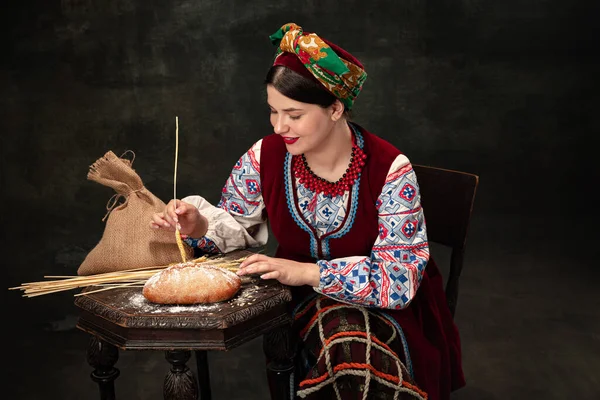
{"points": [[128, 241]]}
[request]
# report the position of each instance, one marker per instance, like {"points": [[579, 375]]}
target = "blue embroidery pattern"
{"points": [[390, 277], [321, 214]]}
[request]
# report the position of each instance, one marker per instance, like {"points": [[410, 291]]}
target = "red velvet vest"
{"points": [[297, 239], [430, 332]]}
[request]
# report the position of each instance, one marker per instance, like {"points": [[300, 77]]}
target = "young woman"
{"points": [[345, 209]]}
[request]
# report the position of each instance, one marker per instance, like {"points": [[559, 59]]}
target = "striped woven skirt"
{"points": [[351, 352]]}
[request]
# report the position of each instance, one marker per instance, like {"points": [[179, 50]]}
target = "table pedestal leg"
{"points": [[279, 350], [180, 383], [102, 357], [203, 375]]}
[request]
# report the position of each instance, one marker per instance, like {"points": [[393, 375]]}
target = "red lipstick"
{"points": [[290, 140]]}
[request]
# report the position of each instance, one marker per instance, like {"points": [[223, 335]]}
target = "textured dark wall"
{"points": [[504, 89]]}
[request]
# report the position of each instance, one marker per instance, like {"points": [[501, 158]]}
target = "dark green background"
{"points": [[504, 89]]}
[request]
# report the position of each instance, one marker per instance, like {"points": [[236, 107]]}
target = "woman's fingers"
{"points": [[254, 259], [180, 208], [157, 218], [271, 275], [170, 215], [175, 210], [258, 267], [158, 221], [169, 218], [178, 211]]}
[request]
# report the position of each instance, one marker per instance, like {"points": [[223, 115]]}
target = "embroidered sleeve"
{"points": [[390, 277], [237, 222]]}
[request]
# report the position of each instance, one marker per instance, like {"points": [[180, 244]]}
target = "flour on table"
{"points": [[138, 300], [245, 297]]}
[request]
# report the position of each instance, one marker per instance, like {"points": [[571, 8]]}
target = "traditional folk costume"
{"points": [[378, 325]]}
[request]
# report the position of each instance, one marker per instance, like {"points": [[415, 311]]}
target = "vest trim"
{"points": [[319, 246]]}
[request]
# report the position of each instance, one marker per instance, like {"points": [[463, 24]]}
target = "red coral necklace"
{"points": [[319, 185]]}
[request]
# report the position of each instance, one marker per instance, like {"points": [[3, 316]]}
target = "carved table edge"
{"points": [[186, 322]]}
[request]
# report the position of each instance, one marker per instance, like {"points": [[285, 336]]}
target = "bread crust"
{"points": [[190, 283]]}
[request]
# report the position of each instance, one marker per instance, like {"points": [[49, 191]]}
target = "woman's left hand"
{"points": [[288, 272]]}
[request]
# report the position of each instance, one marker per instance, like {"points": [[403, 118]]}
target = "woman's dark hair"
{"points": [[297, 87]]}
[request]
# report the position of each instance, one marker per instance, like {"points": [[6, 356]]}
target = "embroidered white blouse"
{"points": [[389, 278]]}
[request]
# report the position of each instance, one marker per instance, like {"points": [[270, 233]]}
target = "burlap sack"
{"points": [[128, 241]]}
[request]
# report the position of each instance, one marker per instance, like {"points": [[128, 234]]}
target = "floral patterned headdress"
{"points": [[318, 59]]}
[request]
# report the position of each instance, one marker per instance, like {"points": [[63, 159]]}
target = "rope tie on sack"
{"points": [[114, 200], [129, 151]]}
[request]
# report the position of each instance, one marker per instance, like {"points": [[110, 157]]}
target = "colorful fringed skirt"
{"points": [[347, 352], [351, 352]]}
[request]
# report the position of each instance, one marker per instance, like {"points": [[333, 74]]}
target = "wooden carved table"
{"points": [[123, 319]]}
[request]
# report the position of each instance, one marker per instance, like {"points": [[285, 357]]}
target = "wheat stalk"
{"points": [[114, 280]]}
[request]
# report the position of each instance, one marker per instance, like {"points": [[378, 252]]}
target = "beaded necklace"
{"points": [[319, 185]]}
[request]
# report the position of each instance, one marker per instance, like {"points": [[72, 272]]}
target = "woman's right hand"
{"points": [[191, 222]]}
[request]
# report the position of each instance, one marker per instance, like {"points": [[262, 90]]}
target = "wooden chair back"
{"points": [[447, 198]]}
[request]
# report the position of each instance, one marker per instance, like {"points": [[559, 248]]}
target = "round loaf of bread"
{"points": [[190, 283]]}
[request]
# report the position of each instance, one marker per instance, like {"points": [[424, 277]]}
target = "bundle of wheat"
{"points": [[113, 280], [129, 277]]}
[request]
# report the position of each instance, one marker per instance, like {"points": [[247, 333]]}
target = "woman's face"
{"points": [[302, 126]]}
